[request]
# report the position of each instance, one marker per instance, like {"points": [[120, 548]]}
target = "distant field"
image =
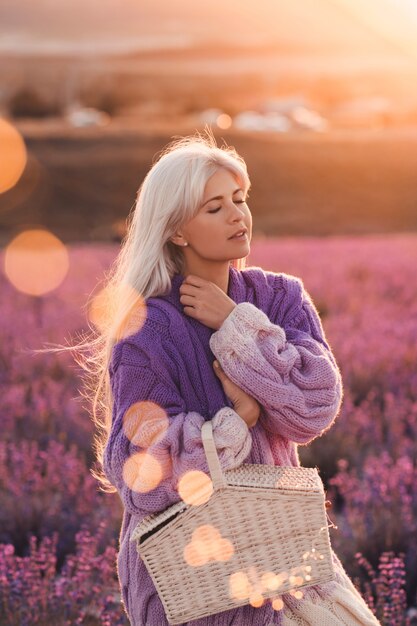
{"points": [[365, 291], [302, 184]]}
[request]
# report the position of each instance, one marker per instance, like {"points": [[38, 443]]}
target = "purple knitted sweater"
{"points": [[273, 346]]}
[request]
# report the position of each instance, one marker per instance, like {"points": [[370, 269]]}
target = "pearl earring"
{"points": [[185, 244]]}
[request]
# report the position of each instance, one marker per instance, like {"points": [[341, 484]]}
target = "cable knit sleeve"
{"points": [[288, 368], [154, 441]]}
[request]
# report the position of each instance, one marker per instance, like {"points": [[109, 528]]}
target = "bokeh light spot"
{"points": [[223, 550], [104, 308], [239, 586], [256, 600], [13, 156], [269, 580], [277, 604], [97, 312], [206, 532], [252, 585], [195, 487], [145, 423], [280, 579], [224, 121], [206, 545], [36, 262], [194, 554], [142, 472]]}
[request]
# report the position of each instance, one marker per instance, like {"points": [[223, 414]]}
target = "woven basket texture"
{"points": [[260, 531]]}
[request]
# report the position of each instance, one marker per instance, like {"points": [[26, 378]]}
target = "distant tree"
{"points": [[108, 102], [26, 102], [105, 93]]}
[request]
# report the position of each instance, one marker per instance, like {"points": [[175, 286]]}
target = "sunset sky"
{"points": [[328, 26]]}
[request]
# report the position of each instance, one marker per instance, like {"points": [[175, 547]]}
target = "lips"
{"points": [[241, 230]]}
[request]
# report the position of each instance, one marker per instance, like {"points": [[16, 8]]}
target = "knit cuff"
{"points": [[242, 326], [232, 438]]}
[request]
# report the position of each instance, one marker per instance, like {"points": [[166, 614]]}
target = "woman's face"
{"points": [[222, 213]]}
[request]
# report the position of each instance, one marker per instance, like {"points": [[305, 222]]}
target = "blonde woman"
{"points": [[181, 302]]}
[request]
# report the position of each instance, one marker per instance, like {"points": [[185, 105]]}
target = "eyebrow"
{"points": [[220, 197]]}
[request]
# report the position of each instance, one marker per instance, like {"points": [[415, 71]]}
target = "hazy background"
{"points": [[319, 96]]}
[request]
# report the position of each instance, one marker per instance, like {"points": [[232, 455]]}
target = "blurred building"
{"points": [[366, 112], [282, 115], [81, 117]]}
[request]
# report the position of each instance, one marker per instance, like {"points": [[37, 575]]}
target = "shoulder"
{"points": [[145, 338], [275, 281], [279, 294]]}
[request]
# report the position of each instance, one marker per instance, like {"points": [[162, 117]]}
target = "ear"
{"points": [[178, 239]]}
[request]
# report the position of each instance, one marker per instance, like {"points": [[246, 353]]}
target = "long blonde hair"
{"points": [[169, 196]]}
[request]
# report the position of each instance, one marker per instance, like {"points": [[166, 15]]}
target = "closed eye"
{"points": [[218, 208]]}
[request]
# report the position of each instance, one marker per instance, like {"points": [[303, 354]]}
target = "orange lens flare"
{"points": [[13, 156], [36, 262], [195, 487]]}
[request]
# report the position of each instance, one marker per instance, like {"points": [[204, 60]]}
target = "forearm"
{"points": [[147, 473], [298, 385], [250, 412]]}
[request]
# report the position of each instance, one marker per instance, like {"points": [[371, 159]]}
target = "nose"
{"points": [[236, 211]]}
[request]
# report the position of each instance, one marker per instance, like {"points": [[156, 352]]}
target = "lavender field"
{"points": [[59, 533]]}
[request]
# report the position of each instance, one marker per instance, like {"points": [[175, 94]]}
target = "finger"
{"points": [[189, 290], [217, 367], [187, 300], [190, 311], [219, 370], [192, 279]]}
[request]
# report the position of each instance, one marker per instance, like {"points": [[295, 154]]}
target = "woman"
{"points": [[182, 302]]}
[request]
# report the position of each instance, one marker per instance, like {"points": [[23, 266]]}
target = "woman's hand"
{"points": [[205, 301], [246, 406]]}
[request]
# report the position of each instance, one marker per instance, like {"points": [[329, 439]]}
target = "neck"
{"points": [[216, 273]]}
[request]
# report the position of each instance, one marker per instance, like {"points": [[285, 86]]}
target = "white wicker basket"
{"points": [[262, 532]]}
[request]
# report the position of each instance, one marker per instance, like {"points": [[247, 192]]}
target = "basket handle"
{"points": [[213, 462]]}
